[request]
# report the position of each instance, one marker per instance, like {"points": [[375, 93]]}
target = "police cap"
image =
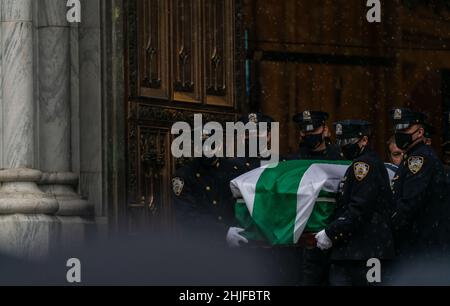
{"points": [[308, 121], [403, 118], [349, 129]]}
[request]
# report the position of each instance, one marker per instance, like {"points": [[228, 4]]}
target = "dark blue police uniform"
{"points": [[316, 263], [422, 211], [360, 227]]}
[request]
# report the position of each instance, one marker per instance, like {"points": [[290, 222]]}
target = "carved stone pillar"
{"points": [[24, 224], [54, 109], [19, 193]]}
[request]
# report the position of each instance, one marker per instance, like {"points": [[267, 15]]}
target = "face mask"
{"points": [[351, 151], [313, 141], [404, 140], [247, 148]]}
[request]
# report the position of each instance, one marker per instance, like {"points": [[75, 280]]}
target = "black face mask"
{"points": [[404, 140], [247, 148], [312, 141], [351, 151]]}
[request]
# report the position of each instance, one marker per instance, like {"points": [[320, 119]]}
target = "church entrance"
{"points": [[182, 57]]}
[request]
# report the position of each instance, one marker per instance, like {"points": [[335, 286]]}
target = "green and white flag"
{"points": [[278, 204]]}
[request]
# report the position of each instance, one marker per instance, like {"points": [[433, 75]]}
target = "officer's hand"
{"points": [[234, 237], [323, 242]]}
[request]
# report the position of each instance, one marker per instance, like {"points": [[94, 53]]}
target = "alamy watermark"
{"points": [[373, 275], [374, 13], [236, 139], [73, 275], [74, 12]]}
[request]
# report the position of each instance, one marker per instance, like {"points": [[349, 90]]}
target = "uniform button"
{"points": [[220, 218], [236, 168], [215, 202], [208, 188], [247, 164], [198, 175], [217, 165]]}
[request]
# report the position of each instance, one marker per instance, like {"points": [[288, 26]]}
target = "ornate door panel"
{"points": [[153, 44], [218, 56], [148, 169], [182, 57], [186, 50]]}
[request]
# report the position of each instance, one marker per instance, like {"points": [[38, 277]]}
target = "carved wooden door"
{"points": [[182, 57]]}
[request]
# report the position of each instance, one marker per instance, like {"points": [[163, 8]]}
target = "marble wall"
{"points": [[52, 119], [53, 86], [76, 77], [17, 95], [90, 104]]}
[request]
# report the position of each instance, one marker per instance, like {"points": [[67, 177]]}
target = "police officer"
{"points": [[202, 197], [359, 230], [249, 162], [315, 144], [283, 260], [421, 216]]}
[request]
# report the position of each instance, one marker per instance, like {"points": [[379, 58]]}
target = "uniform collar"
{"points": [[411, 151], [366, 150]]}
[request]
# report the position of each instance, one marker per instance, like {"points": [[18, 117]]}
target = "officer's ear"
{"points": [[326, 132], [421, 131], [364, 141]]}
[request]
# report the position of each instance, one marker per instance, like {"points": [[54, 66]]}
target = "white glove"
{"points": [[234, 237], [323, 242]]}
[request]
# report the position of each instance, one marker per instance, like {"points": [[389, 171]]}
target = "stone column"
{"points": [[54, 108], [22, 204], [19, 192]]}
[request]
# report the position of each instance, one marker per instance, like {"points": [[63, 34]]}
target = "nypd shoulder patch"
{"points": [[177, 185], [415, 164], [361, 170]]}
